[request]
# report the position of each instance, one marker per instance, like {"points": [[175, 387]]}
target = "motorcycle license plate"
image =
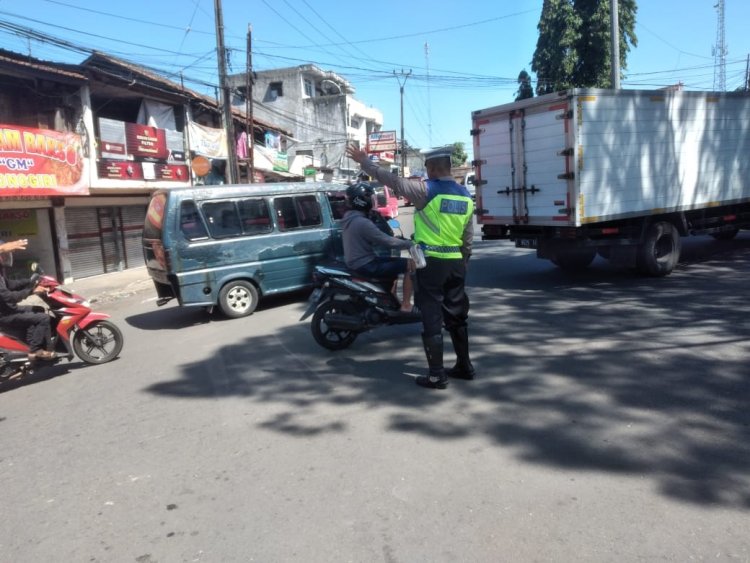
{"points": [[312, 303]]}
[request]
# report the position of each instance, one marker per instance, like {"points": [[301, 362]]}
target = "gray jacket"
{"points": [[360, 236]]}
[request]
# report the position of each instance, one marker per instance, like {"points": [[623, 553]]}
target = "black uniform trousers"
{"points": [[441, 296], [35, 326]]}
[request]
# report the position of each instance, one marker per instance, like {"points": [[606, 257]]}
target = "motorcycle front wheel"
{"points": [[99, 343], [332, 338]]}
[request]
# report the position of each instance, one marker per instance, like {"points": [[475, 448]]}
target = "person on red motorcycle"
{"points": [[14, 316]]}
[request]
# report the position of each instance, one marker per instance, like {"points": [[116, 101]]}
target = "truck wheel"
{"points": [[659, 253], [726, 235], [574, 259], [238, 298]]}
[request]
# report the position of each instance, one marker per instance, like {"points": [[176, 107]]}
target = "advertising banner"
{"points": [[207, 141], [41, 162], [381, 141], [17, 223], [132, 141]]}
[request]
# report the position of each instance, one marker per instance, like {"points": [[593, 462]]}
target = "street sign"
{"points": [[381, 141]]}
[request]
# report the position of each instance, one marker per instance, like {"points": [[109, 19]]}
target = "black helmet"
{"points": [[360, 196]]}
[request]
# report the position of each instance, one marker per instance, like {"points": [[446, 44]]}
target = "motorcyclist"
{"points": [[14, 316], [361, 237]]}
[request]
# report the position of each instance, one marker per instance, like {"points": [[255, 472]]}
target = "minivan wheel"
{"points": [[238, 298]]}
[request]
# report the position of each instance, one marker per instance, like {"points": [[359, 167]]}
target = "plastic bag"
{"points": [[418, 256]]}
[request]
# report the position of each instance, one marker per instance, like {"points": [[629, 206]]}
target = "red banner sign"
{"points": [[144, 141], [120, 170], [41, 162], [175, 172]]}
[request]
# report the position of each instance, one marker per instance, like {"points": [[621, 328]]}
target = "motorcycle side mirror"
{"points": [[394, 224], [36, 268]]}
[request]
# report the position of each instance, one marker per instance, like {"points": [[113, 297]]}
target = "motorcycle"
{"points": [[76, 331], [345, 304]]}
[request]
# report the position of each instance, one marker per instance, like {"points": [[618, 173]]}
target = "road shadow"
{"points": [[173, 317], [602, 372]]}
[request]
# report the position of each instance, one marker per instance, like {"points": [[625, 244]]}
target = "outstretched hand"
{"points": [[356, 154], [19, 244]]}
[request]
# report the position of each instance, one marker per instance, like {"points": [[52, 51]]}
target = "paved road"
{"points": [[609, 423]]}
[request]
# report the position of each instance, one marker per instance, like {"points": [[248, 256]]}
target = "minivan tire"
{"points": [[238, 298]]}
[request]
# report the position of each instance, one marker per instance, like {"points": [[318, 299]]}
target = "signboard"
{"points": [[133, 141], [16, 223], [144, 141], [207, 141], [381, 141], [41, 162], [120, 170]]}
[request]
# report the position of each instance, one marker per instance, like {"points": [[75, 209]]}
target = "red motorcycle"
{"points": [[76, 331]]}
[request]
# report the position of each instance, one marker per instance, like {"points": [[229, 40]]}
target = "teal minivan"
{"points": [[231, 245]]}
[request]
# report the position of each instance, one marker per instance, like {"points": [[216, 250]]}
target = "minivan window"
{"points": [[222, 218], [297, 211], [338, 203], [190, 221], [255, 216]]}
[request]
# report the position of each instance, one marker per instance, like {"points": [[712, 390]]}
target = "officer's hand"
{"points": [[356, 154]]}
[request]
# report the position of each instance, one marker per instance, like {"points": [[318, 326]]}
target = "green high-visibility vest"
{"points": [[439, 226]]}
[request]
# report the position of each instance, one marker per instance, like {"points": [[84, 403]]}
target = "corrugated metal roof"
{"points": [[23, 62]]}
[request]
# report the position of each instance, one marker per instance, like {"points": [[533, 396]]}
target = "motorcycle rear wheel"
{"points": [[332, 338], [99, 343]]}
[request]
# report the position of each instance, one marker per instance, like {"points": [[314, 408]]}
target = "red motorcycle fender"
{"points": [[90, 318]]}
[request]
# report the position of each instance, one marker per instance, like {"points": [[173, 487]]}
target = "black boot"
{"points": [[463, 368], [433, 347]]}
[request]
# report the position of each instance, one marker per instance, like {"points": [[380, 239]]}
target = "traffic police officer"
{"points": [[444, 229]]}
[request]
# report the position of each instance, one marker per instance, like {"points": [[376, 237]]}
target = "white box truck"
{"points": [[624, 173]]}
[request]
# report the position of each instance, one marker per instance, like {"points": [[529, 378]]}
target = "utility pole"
{"points": [[429, 100], [249, 125], [720, 51], [615, 33], [403, 143], [231, 168]]}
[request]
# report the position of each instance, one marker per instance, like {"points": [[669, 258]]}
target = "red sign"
{"points": [[144, 141], [41, 162], [120, 170], [174, 172]]}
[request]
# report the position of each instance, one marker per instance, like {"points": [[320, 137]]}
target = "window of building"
{"points": [[355, 123], [275, 90], [308, 87]]}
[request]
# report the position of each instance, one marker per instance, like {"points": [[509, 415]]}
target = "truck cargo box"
{"points": [[589, 157]]}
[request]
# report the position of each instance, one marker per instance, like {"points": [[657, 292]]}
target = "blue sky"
{"points": [[461, 58]]}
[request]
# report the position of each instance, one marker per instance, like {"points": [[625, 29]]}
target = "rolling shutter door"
{"points": [[132, 218], [90, 241]]}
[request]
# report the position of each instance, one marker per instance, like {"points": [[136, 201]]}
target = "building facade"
{"points": [[318, 108], [82, 148]]}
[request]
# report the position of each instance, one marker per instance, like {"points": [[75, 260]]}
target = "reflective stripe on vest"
{"points": [[439, 226]]}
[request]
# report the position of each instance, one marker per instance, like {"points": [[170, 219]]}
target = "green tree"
{"points": [[573, 48], [458, 156], [525, 90]]}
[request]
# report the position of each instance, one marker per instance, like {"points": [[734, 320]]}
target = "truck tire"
{"points": [[725, 235], [574, 259], [659, 253]]}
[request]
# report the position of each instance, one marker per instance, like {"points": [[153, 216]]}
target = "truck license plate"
{"points": [[526, 243]]}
